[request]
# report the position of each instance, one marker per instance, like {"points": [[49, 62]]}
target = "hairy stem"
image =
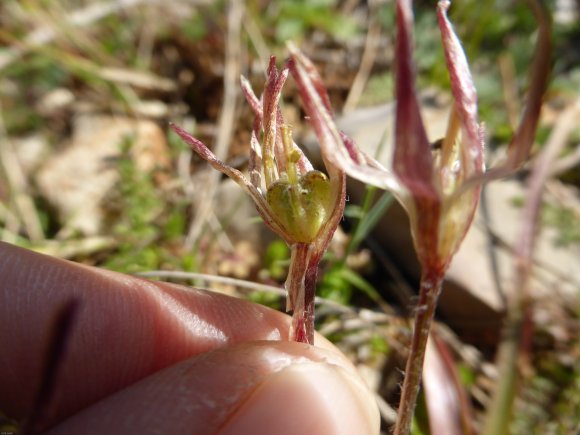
{"points": [[301, 287], [303, 320], [428, 295]]}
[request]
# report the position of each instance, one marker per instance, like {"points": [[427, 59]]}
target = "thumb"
{"points": [[254, 388]]}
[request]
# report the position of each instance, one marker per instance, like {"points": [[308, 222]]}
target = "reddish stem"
{"points": [[302, 329], [431, 283], [301, 287]]}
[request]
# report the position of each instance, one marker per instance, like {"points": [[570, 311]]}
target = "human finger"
{"points": [[126, 328], [284, 388]]}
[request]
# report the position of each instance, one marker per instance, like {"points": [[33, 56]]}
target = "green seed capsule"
{"points": [[303, 207]]}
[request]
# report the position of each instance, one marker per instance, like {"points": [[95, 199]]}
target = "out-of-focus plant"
{"points": [[303, 206], [291, 19], [514, 334], [144, 225], [438, 186]]}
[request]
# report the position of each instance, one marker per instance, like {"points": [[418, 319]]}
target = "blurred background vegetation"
{"points": [[89, 171]]}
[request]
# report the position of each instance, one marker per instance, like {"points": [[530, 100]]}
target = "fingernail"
{"points": [[317, 398]]}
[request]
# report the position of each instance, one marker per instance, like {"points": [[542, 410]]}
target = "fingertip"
{"points": [[310, 398]]}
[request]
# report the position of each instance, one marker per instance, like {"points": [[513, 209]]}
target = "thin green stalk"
{"points": [[431, 284], [357, 235], [500, 410], [369, 217]]}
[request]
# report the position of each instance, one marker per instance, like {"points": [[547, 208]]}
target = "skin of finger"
{"points": [[125, 329], [314, 399], [255, 387]]}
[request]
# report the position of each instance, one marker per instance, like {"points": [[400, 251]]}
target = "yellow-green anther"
{"points": [[449, 146], [290, 155], [451, 165], [302, 207], [268, 155]]}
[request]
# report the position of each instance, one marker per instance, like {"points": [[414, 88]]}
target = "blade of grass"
{"points": [[370, 218], [25, 212]]}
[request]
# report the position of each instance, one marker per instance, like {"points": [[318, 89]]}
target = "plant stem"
{"points": [[301, 287], [429, 293], [500, 410]]}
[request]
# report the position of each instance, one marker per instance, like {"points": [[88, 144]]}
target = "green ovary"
{"points": [[301, 207]]}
